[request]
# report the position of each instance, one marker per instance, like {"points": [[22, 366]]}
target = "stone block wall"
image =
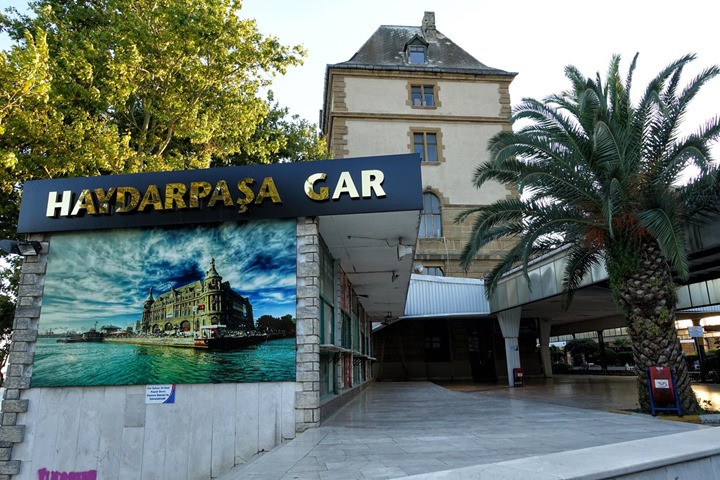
{"points": [[307, 404], [15, 405]]}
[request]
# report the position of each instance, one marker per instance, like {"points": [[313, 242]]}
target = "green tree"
{"points": [[622, 344], [284, 324], [582, 346], [8, 285], [24, 88], [281, 137], [148, 85], [601, 175]]}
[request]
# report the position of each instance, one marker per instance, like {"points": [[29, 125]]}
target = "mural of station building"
{"points": [[199, 304]]}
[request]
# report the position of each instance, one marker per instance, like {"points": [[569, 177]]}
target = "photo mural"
{"points": [[202, 304]]}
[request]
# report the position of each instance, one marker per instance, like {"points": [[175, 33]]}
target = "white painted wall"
{"points": [[209, 429], [376, 95], [390, 95], [467, 98], [464, 147]]}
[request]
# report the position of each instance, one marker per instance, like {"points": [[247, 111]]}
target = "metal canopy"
{"points": [[366, 246]]}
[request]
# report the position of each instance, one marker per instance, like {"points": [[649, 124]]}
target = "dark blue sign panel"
{"points": [[289, 190]]}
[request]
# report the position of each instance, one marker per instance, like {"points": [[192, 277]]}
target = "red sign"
{"points": [[661, 384], [201, 307]]}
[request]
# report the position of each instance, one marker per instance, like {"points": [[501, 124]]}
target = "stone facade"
{"points": [[410, 89]]}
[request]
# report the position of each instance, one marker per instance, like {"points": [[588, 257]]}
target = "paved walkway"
{"points": [[393, 430]]}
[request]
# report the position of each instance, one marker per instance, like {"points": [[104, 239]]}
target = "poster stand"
{"points": [[661, 388]]}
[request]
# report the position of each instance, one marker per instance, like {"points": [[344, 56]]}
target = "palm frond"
{"points": [[596, 169], [580, 259]]}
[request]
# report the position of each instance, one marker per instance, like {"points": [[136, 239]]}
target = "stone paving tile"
{"points": [[399, 429], [380, 471]]}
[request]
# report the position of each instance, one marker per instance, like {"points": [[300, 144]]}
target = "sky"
{"points": [[106, 276], [535, 39]]}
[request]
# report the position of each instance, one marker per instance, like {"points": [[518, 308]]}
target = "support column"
{"points": [[601, 346], [510, 325], [545, 347], [307, 367], [700, 347]]}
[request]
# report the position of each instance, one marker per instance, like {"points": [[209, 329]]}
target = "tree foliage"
{"points": [[284, 324], [145, 85], [582, 346], [602, 177]]}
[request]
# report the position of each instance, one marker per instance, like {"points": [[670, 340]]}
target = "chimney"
{"points": [[428, 26]]}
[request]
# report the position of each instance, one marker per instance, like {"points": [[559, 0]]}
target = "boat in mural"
{"points": [[213, 337], [91, 335]]}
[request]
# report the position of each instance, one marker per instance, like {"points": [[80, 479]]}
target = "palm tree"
{"points": [[603, 177], [622, 343]]}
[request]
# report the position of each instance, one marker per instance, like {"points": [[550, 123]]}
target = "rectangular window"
{"points": [[422, 95], [327, 274], [416, 54], [345, 331], [327, 323], [425, 144]]}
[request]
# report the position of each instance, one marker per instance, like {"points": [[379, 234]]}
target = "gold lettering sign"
{"points": [[179, 196], [128, 199], [151, 197], [198, 190], [268, 190], [244, 187], [221, 193], [174, 195]]}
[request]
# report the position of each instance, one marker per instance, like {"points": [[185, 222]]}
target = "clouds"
{"points": [[105, 276]]}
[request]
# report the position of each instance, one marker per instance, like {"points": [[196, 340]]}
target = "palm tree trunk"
{"points": [[648, 298]]}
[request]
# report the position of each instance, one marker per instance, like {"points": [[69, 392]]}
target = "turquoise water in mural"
{"points": [[84, 364]]}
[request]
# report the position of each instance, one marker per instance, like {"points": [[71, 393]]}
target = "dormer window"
{"points": [[416, 51]]}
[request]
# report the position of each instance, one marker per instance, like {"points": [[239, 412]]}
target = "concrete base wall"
{"points": [[209, 429]]}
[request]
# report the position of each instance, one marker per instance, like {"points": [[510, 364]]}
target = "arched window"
{"points": [[431, 219]]}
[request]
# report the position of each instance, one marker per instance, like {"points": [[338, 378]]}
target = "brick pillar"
{"points": [[307, 369], [22, 353]]}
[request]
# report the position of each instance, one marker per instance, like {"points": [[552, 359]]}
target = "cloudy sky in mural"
{"points": [[106, 276]]}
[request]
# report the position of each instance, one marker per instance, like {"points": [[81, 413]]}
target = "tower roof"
{"points": [[211, 273], [386, 50]]}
